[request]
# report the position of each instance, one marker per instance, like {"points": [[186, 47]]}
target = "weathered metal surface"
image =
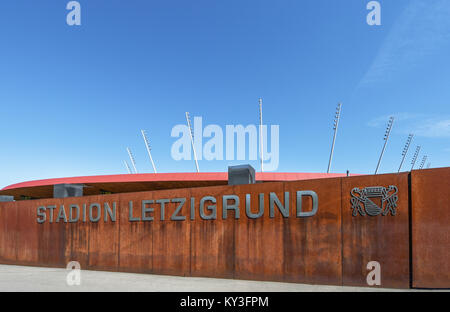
{"points": [[103, 237], [8, 232], [135, 239], [313, 245], [27, 243], [171, 239], [302, 250], [259, 251], [384, 239], [331, 247], [51, 236], [212, 241], [430, 228]]}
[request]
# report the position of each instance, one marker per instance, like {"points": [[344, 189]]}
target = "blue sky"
{"points": [[73, 98]]}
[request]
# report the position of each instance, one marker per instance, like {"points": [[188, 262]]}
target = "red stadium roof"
{"points": [[171, 177], [144, 182]]}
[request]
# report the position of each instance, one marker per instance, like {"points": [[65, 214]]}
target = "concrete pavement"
{"points": [[36, 279]]}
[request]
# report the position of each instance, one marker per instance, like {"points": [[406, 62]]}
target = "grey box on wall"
{"points": [[67, 190], [6, 198], [242, 174]]}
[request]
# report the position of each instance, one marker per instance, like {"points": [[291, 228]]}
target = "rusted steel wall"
{"points": [[303, 250], [430, 226], [278, 249], [384, 239], [331, 247]]}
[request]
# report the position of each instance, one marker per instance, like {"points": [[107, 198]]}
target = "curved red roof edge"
{"points": [[178, 176]]}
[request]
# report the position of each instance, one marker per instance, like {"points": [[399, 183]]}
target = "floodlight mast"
{"points": [[335, 128], [132, 160], [416, 154], [386, 138], [405, 150], [261, 150], [192, 140], [127, 166], [422, 163], [147, 145]]}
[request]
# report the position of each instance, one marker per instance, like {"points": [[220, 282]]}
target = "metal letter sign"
{"points": [[374, 200]]}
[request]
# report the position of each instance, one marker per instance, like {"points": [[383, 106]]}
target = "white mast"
{"points": [[147, 145], [405, 150], [386, 138], [335, 128], [261, 140], [416, 154], [127, 166], [424, 159], [132, 160], [192, 139]]}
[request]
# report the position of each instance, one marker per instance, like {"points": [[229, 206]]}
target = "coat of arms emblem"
{"points": [[374, 200]]}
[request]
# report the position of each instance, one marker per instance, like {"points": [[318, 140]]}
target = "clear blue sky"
{"points": [[73, 98]]}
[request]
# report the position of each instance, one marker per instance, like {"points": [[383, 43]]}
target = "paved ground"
{"points": [[22, 278]]}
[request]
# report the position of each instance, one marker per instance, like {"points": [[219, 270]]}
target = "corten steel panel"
{"points": [[27, 242], [53, 239], [305, 250], [103, 236], [384, 239], [259, 242], [171, 239], [52, 236], [431, 228], [212, 241], [136, 238], [77, 243], [77, 233], [313, 245], [8, 232]]}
